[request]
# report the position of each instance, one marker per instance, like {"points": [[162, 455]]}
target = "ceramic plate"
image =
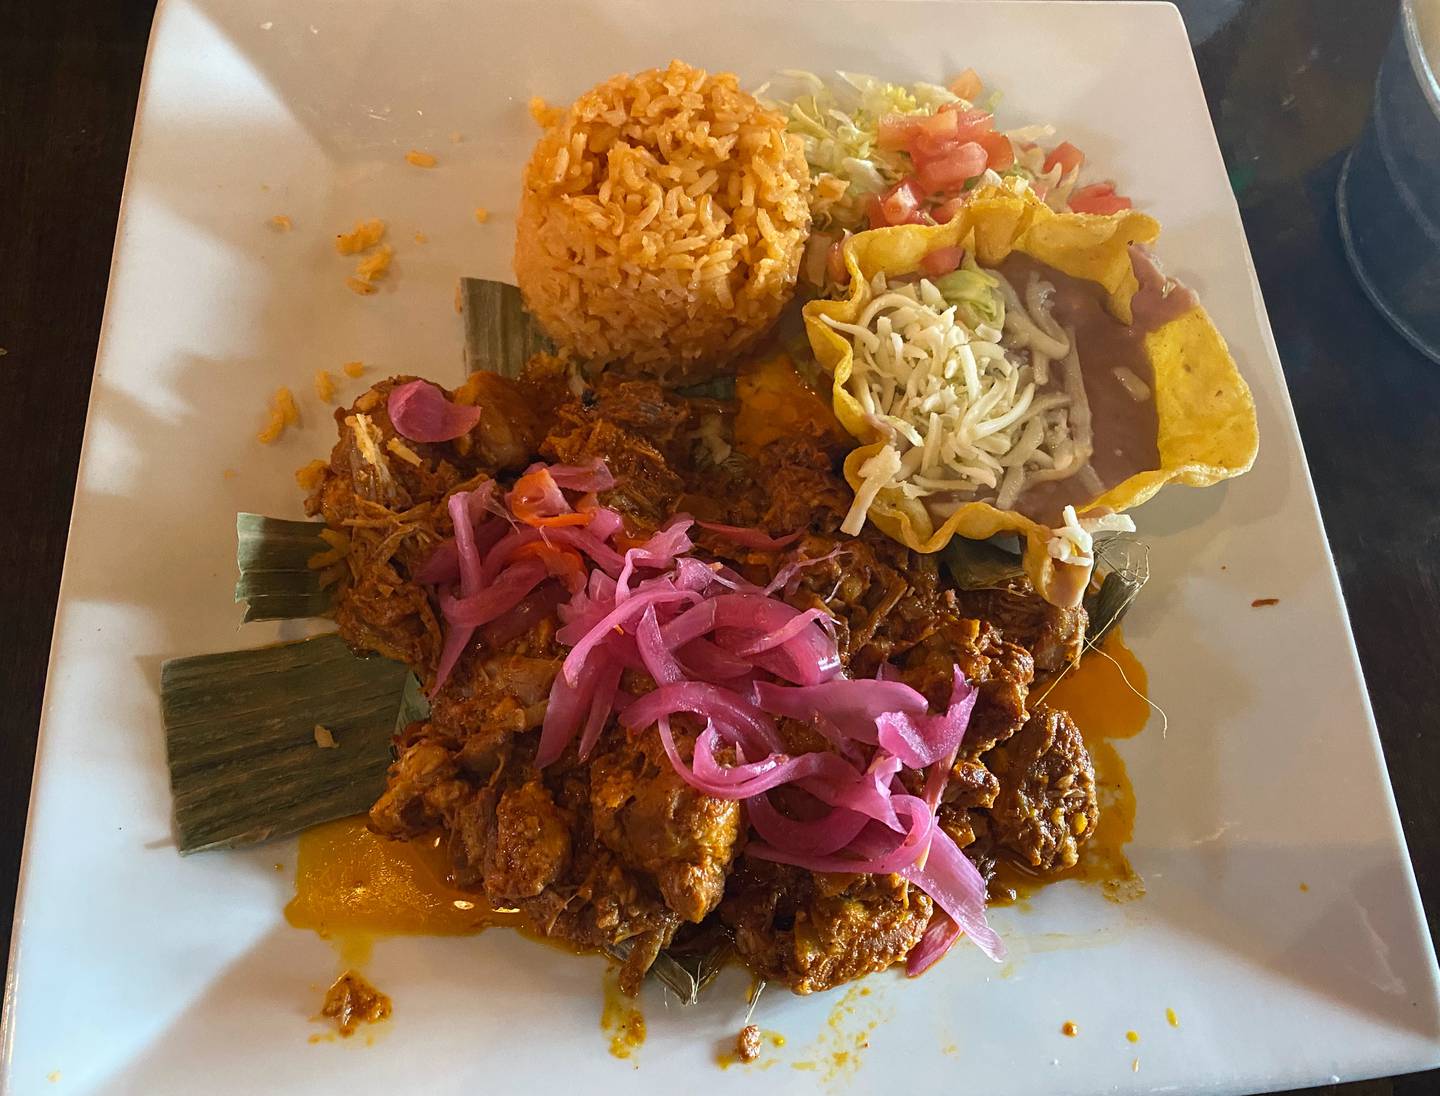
{"points": [[137, 971]]}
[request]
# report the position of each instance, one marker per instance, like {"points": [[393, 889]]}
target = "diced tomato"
{"points": [[938, 135], [967, 85], [900, 203], [923, 148], [999, 152], [970, 124], [952, 172], [1099, 198], [942, 260], [895, 131], [946, 211], [938, 126], [1067, 156]]}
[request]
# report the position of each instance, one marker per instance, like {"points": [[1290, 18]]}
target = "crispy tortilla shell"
{"points": [[1207, 429]]}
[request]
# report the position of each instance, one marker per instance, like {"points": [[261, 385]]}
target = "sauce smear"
{"points": [[1105, 708], [351, 886]]}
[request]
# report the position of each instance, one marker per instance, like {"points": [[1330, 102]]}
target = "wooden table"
{"points": [[1289, 83]]}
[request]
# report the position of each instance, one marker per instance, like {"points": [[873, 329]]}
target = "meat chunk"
{"points": [[802, 490], [884, 597], [529, 846], [599, 903], [491, 696], [646, 488], [1053, 636], [643, 408], [508, 435], [971, 784], [421, 788], [1046, 808], [656, 822], [379, 611], [747, 1043], [812, 931], [1001, 671]]}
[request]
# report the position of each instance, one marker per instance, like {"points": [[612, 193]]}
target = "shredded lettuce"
{"points": [[838, 126], [974, 293]]}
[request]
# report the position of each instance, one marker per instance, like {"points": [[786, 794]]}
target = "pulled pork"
{"points": [[619, 850]]}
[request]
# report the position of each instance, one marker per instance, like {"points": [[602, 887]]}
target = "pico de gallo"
{"points": [[885, 154]]}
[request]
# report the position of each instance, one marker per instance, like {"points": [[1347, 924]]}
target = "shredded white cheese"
{"points": [[964, 413], [1073, 541]]}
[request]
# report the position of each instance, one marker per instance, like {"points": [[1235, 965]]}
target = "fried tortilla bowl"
{"points": [[1206, 416]]}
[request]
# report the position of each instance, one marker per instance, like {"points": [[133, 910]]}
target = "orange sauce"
{"points": [[775, 402], [621, 1019], [352, 886], [1105, 708]]}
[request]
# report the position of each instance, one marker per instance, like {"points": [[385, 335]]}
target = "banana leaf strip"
{"points": [[684, 975], [500, 335], [983, 564], [276, 579], [240, 735], [414, 705], [1124, 562]]}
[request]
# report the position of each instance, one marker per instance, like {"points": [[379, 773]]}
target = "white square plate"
{"points": [[136, 971]]}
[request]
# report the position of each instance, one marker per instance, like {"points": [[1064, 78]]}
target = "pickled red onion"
{"points": [[712, 642], [420, 411]]}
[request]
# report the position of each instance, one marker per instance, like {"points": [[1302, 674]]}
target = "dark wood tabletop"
{"points": [[1289, 84]]}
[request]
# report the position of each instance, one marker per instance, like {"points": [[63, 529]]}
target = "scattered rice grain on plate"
{"points": [[361, 286], [309, 476], [365, 236], [288, 407], [325, 385], [481, 214], [283, 413], [421, 238], [375, 265], [281, 223], [354, 369], [416, 158]]}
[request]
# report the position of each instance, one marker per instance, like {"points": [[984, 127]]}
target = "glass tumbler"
{"points": [[1389, 193]]}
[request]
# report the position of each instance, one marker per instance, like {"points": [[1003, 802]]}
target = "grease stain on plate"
{"points": [[838, 1053]]}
